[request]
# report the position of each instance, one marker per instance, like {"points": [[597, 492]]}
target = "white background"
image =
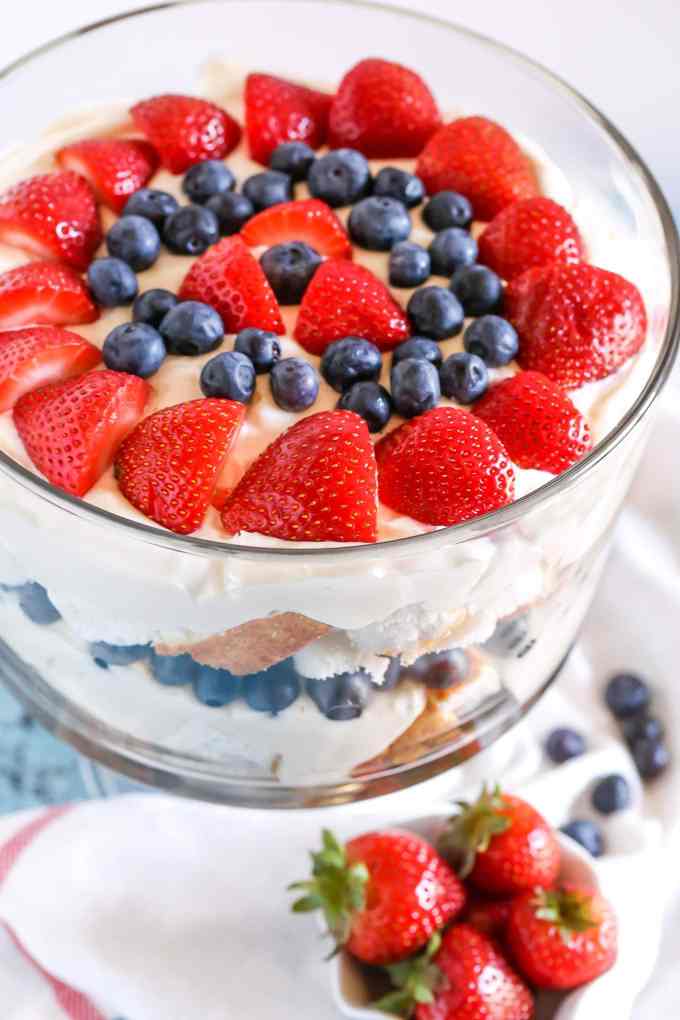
{"points": [[622, 54]]}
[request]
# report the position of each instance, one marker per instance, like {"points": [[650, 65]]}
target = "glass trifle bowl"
{"points": [[280, 673]]}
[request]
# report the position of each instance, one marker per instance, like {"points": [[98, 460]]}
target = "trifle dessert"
{"points": [[279, 350]]}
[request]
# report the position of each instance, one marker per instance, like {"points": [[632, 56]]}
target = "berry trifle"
{"points": [[282, 348]]}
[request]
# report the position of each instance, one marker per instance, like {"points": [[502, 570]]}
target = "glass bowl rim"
{"points": [[478, 526]]}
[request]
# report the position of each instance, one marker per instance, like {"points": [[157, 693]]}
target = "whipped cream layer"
{"points": [[111, 586]]}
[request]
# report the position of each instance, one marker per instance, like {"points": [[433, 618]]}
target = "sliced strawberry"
{"points": [[54, 216], [281, 111], [528, 233], [536, 422], [478, 158], [185, 130], [230, 279], [384, 110], [314, 483], [115, 167], [444, 467], [575, 323], [71, 430], [345, 299], [44, 292], [307, 220], [34, 357], [169, 464]]}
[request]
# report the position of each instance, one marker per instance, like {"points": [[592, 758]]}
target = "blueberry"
{"points": [[294, 384], [639, 727], [289, 267], [216, 687], [191, 230], [447, 209], [341, 177], [350, 360], [112, 282], [435, 312], [478, 289], [230, 375], [231, 210], [379, 223], [393, 676], [273, 690], [371, 401], [134, 347], [450, 249], [135, 240], [391, 182], [611, 794], [203, 180], [292, 158], [651, 757], [118, 655], [270, 187], [563, 744], [409, 265], [192, 328], [415, 387], [342, 697], [442, 670], [36, 605], [509, 636], [173, 670], [627, 694], [492, 339], [587, 834], [419, 347], [152, 204], [262, 347], [464, 377], [153, 305]]}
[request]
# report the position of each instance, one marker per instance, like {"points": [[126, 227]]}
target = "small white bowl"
{"points": [[352, 992]]}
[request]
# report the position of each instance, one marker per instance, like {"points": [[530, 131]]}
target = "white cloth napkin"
{"points": [[150, 908]]}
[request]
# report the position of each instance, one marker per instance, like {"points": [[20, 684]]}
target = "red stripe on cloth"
{"points": [[75, 1005]]}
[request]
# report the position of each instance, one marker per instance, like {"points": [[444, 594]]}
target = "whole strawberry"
{"points": [[382, 109], [488, 916], [383, 894], [561, 938], [529, 233], [575, 323], [536, 422], [444, 467], [501, 844], [460, 976], [478, 158]]}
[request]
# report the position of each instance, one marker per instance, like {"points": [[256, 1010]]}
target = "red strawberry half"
{"points": [[478, 158], [169, 464], [536, 422], [115, 167], [33, 357], [531, 232], [314, 483], [185, 130], [562, 938], [230, 279], [444, 467], [344, 299], [41, 292], [384, 110], [383, 894], [575, 323], [502, 844], [53, 216], [308, 220], [71, 430], [281, 111]]}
